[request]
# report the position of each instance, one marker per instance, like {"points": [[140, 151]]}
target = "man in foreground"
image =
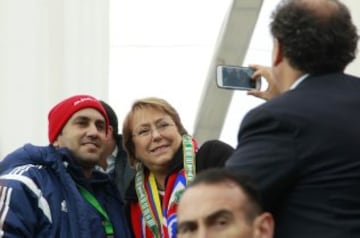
{"points": [[219, 203]]}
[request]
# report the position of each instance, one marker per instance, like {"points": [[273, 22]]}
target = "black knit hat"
{"points": [[113, 120]]}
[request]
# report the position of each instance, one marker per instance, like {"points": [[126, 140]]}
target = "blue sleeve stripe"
{"points": [[42, 203], [5, 195], [24, 168]]}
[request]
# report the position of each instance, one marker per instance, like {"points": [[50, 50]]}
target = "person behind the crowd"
{"points": [[302, 146], [221, 203], [52, 191], [166, 158], [114, 159]]}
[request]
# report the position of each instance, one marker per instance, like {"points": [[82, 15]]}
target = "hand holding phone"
{"points": [[272, 89], [236, 77]]}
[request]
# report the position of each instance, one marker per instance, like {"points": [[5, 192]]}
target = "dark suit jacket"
{"points": [[123, 172], [303, 150]]}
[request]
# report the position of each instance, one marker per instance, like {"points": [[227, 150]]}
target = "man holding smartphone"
{"points": [[302, 146], [236, 77]]}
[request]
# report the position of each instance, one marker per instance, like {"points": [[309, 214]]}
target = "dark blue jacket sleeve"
{"points": [[21, 210]]}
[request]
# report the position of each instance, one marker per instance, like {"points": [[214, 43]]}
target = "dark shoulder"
{"points": [[215, 145], [213, 153]]}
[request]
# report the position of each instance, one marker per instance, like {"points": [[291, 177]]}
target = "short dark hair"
{"points": [[315, 39], [214, 176], [113, 120]]}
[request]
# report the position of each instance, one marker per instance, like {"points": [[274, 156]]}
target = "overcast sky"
{"points": [[163, 48]]}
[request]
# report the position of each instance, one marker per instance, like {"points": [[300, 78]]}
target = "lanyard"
{"points": [[109, 230], [144, 200]]}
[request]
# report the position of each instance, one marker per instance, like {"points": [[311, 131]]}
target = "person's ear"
{"points": [[57, 142], [264, 226], [277, 54], [109, 132]]}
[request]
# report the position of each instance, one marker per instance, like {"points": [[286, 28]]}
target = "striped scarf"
{"points": [[145, 218], [174, 187]]}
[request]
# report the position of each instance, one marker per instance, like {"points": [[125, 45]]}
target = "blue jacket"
{"points": [[39, 197]]}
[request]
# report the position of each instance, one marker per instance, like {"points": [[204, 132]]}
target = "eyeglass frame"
{"points": [[160, 127]]}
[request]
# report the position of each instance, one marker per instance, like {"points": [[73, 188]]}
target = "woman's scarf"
{"points": [[152, 218]]}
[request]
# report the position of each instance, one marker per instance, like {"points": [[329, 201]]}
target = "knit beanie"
{"points": [[61, 113]]}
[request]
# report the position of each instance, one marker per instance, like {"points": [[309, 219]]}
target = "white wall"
{"points": [[354, 6], [50, 49]]}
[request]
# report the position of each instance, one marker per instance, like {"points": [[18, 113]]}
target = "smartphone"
{"points": [[236, 77]]}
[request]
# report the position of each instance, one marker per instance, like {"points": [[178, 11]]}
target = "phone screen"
{"points": [[233, 77]]}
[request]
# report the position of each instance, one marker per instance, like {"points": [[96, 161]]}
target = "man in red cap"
{"points": [[54, 191]]}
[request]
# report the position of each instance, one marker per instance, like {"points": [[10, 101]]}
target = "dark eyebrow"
{"points": [[85, 118], [211, 218], [82, 118], [186, 225]]}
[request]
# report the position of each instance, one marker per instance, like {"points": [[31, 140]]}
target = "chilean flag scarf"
{"points": [[154, 215]]}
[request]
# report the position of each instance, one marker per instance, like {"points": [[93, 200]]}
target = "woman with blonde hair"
{"points": [[166, 159]]}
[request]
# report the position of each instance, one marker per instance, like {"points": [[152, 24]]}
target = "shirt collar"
{"points": [[110, 162], [298, 81]]}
